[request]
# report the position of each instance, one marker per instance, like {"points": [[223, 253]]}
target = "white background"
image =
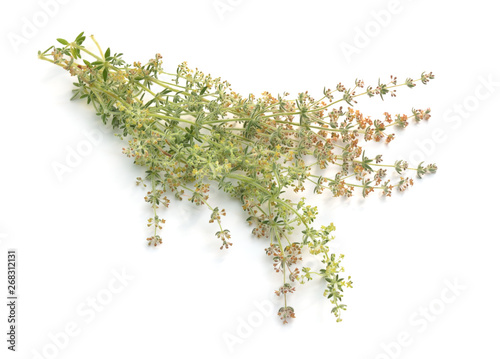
{"points": [[184, 298]]}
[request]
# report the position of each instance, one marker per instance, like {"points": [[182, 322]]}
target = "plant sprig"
{"points": [[191, 131]]}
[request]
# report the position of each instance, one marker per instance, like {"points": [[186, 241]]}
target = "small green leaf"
{"points": [[62, 41], [105, 74], [80, 35]]}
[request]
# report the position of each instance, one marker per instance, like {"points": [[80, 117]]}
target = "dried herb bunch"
{"points": [[190, 131]]}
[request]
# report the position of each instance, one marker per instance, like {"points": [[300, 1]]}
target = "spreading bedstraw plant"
{"points": [[191, 131]]}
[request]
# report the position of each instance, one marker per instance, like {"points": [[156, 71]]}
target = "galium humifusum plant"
{"points": [[191, 132]]}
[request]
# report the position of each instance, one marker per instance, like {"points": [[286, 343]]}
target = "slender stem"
{"points": [[98, 46]]}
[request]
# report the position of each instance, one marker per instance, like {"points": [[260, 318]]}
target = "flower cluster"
{"points": [[191, 132]]}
